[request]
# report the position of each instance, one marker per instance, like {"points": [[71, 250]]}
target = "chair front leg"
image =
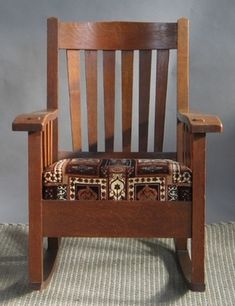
{"points": [[198, 211], [191, 152], [35, 252], [42, 151]]}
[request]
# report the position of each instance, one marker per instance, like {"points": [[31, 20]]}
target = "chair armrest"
{"points": [[201, 123], [34, 122]]}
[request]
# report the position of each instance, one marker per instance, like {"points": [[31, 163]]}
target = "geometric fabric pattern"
{"points": [[117, 179]]}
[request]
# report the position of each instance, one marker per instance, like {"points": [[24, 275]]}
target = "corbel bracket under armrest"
{"points": [[201, 123], [34, 122]]}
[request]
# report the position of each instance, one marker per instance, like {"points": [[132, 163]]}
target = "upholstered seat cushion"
{"points": [[117, 179]]}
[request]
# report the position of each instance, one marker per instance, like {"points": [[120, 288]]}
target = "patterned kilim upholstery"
{"points": [[117, 179]]}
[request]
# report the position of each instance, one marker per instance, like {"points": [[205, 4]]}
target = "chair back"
{"points": [[96, 52]]}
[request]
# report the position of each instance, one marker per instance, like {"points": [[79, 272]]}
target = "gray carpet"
{"points": [[117, 271]]}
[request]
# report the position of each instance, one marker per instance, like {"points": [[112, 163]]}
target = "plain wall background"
{"points": [[23, 83]]}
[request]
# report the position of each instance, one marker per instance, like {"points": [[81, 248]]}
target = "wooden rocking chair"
{"points": [[117, 194]]}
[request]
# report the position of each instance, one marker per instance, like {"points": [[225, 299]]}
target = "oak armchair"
{"points": [[117, 194]]}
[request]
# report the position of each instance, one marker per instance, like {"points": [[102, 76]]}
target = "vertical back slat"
{"points": [[127, 88], [48, 143], [91, 93], [51, 142], [144, 95], [44, 147], [109, 97], [73, 62], [161, 89], [52, 63], [55, 140]]}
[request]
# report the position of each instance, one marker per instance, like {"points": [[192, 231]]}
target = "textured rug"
{"points": [[118, 271]]}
